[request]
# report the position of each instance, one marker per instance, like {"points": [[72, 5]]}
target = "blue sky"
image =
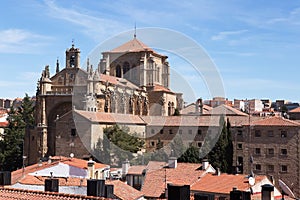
{"points": [[254, 45]]}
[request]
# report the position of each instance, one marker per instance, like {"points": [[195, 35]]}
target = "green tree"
{"points": [[191, 155], [118, 145], [222, 153], [177, 146], [20, 120], [176, 112]]}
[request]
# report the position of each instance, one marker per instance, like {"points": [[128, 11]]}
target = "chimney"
{"points": [[205, 164], [51, 184], [125, 167], [181, 192], [172, 162], [267, 192], [91, 168], [95, 187], [5, 178], [109, 191], [218, 172]]}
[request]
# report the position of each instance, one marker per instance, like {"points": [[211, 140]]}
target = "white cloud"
{"points": [[21, 41], [96, 27], [224, 34]]}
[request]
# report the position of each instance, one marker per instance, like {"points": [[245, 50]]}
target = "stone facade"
{"points": [[128, 80]]}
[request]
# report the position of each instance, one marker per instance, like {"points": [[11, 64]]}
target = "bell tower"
{"points": [[73, 57]]}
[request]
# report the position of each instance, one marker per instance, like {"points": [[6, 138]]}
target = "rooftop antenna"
{"points": [[134, 30], [72, 42]]}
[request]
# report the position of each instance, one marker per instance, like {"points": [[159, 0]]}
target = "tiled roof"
{"points": [[190, 109], [296, 110], [3, 124], [203, 121], [157, 180], [117, 81], [275, 121], [223, 184], [159, 88], [155, 165], [9, 193], [133, 45], [18, 174], [226, 110], [111, 118], [40, 180], [136, 169], [124, 191]]}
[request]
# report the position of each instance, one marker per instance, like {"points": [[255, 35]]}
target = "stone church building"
{"points": [[131, 79]]}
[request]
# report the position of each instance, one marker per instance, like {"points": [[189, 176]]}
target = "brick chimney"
{"points": [[91, 168], [267, 192]]}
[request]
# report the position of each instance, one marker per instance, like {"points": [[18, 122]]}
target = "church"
{"points": [[130, 80]]}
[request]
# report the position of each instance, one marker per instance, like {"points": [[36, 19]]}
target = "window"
{"points": [[118, 71], [73, 132], [283, 134], [258, 167], [190, 132], [161, 131], [257, 151], [271, 151], [257, 133], [152, 131], [284, 168], [180, 131], [199, 144], [170, 131], [240, 160], [283, 152], [239, 146], [199, 132], [270, 168], [270, 133], [240, 132], [152, 143]]}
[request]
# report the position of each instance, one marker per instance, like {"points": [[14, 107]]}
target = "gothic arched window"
{"points": [[118, 71], [126, 68]]}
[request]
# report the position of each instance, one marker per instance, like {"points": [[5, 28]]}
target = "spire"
{"points": [[88, 65], [57, 65], [134, 30]]}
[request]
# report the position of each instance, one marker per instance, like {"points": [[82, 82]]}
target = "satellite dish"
{"points": [[286, 189], [71, 155], [251, 181]]}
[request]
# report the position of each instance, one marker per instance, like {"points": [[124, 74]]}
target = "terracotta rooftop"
{"points": [[18, 174], [3, 124], [124, 191], [110, 118], [226, 110], [190, 109], [159, 88], [157, 180], [223, 184], [9, 193], [117, 81], [133, 45], [296, 110], [136, 169], [121, 189], [275, 121]]}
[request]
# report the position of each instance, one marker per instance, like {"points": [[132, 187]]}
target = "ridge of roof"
{"points": [[12, 193], [133, 45], [275, 121]]}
